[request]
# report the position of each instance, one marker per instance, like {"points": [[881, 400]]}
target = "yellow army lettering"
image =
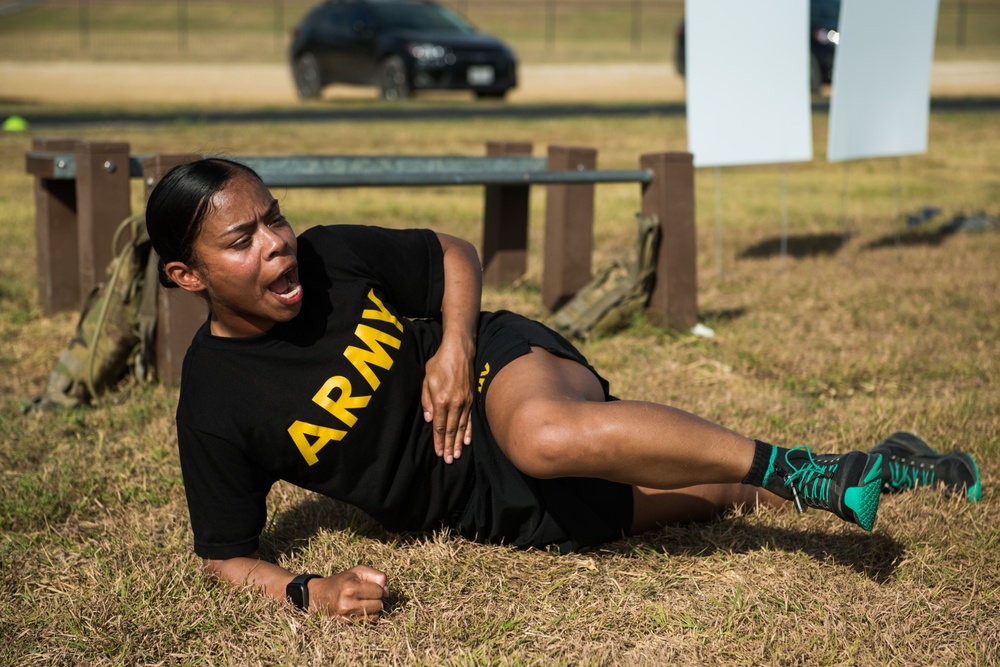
{"points": [[482, 376], [362, 358]]}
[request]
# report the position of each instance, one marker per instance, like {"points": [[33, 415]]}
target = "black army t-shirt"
{"points": [[329, 401]]}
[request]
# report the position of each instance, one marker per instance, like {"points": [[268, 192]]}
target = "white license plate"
{"points": [[480, 75]]}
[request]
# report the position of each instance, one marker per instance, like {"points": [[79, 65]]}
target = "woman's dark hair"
{"points": [[179, 203]]}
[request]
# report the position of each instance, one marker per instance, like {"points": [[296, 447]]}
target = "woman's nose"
{"points": [[274, 243]]}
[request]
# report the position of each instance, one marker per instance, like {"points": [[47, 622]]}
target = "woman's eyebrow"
{"points": [[241, 227]]}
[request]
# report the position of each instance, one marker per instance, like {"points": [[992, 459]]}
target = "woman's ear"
{"points": [[184, 276]]}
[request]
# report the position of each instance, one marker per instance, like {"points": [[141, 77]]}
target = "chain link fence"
{"points": [[260, 30]]}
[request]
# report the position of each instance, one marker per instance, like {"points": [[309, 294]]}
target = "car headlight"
{"points": [[827, 36], [427, 52]]}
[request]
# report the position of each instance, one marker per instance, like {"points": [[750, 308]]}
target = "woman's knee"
{"points": [[552, 439], [543, 436]]}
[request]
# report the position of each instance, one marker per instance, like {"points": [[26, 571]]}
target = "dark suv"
{"points": [[824, 16], [400, 46]]}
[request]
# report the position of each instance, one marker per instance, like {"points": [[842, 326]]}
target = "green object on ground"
{"points": [[15, 124]]}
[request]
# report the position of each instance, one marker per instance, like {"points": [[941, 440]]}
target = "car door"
{"points": [[360, 56], [331, 41]]}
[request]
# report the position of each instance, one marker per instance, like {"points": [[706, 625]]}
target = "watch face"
{"points": [[296, 591]]}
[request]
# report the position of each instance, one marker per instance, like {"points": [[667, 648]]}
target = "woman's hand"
{"points": [[354, 595], [447, 397]]}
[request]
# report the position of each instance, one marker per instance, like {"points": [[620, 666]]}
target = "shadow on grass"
{"points": [[292, 529], [799, 246], [873, 555], [722, 315], [815, 245], [911, 239]]}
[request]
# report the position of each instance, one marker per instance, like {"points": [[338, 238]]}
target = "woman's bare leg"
{"points": [[654, 508], [549, 417]]}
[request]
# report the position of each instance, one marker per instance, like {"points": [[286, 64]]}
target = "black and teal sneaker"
{"points": [[910, 462], [849, 485]]}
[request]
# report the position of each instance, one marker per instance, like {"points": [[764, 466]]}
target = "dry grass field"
{"points": [[835, 348]]}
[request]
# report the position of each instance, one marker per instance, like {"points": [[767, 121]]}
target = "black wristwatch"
{"points": [[297, 592]]}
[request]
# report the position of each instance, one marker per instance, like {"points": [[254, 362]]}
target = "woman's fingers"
{"points": [[356, 594], [447, 427], [450, 412]]}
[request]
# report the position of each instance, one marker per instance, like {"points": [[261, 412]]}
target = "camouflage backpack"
{"points": [[116, 327], [617, 291]]}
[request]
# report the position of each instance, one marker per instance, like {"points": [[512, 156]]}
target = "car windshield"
{"points": [[422, 17], [825, 12]]}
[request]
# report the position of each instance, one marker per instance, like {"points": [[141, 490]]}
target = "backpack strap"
{"points": [[617, 291], [122, 257], [146, 319]]}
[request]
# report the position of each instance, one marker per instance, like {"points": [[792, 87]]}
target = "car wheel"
{"points": [[392, 82], [491, 94], [305, 71]]}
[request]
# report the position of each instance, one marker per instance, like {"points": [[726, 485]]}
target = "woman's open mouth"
{"points": [[287, 288]]}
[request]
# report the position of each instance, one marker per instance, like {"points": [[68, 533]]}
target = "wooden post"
{"points": [[55, 235], [569, 227], [102, 203], [179, 313], [670, 196], [505, 222]]}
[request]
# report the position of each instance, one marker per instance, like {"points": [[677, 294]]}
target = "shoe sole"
{"points": [[973, 493], [863, 500]]}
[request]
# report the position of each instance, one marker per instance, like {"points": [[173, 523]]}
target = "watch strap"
{"points": [[297, 592]]}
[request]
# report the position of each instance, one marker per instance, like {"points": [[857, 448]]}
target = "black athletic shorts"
{"points": [[505, 505]]}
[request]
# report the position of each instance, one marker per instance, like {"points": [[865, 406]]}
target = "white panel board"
{"points": [[880, 100], [747, 71]]}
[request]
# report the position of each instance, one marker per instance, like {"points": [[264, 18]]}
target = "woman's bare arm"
{"points": [[352, 595], [448, 380]]}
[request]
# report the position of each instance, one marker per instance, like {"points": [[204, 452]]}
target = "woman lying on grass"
{"points": [[354, 361]]}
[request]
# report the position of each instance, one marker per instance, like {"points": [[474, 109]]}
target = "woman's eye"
{"points": [[279, 221], [243, 242]]}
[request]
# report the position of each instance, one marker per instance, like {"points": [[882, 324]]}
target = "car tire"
{"points": [[491, 94], [393, 84], [305, 71]]}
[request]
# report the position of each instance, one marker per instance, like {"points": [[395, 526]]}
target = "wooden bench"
{"points": [[82, 192]]}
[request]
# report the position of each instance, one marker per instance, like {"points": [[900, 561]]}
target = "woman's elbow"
{"points": [[454, 243], [218, 568], [212, 567]]}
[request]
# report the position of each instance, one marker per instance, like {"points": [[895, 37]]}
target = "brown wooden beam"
{"points": [[179, 313], [55, 231], [505, 222], [670, 196], [569, 227], [102, 203]]}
